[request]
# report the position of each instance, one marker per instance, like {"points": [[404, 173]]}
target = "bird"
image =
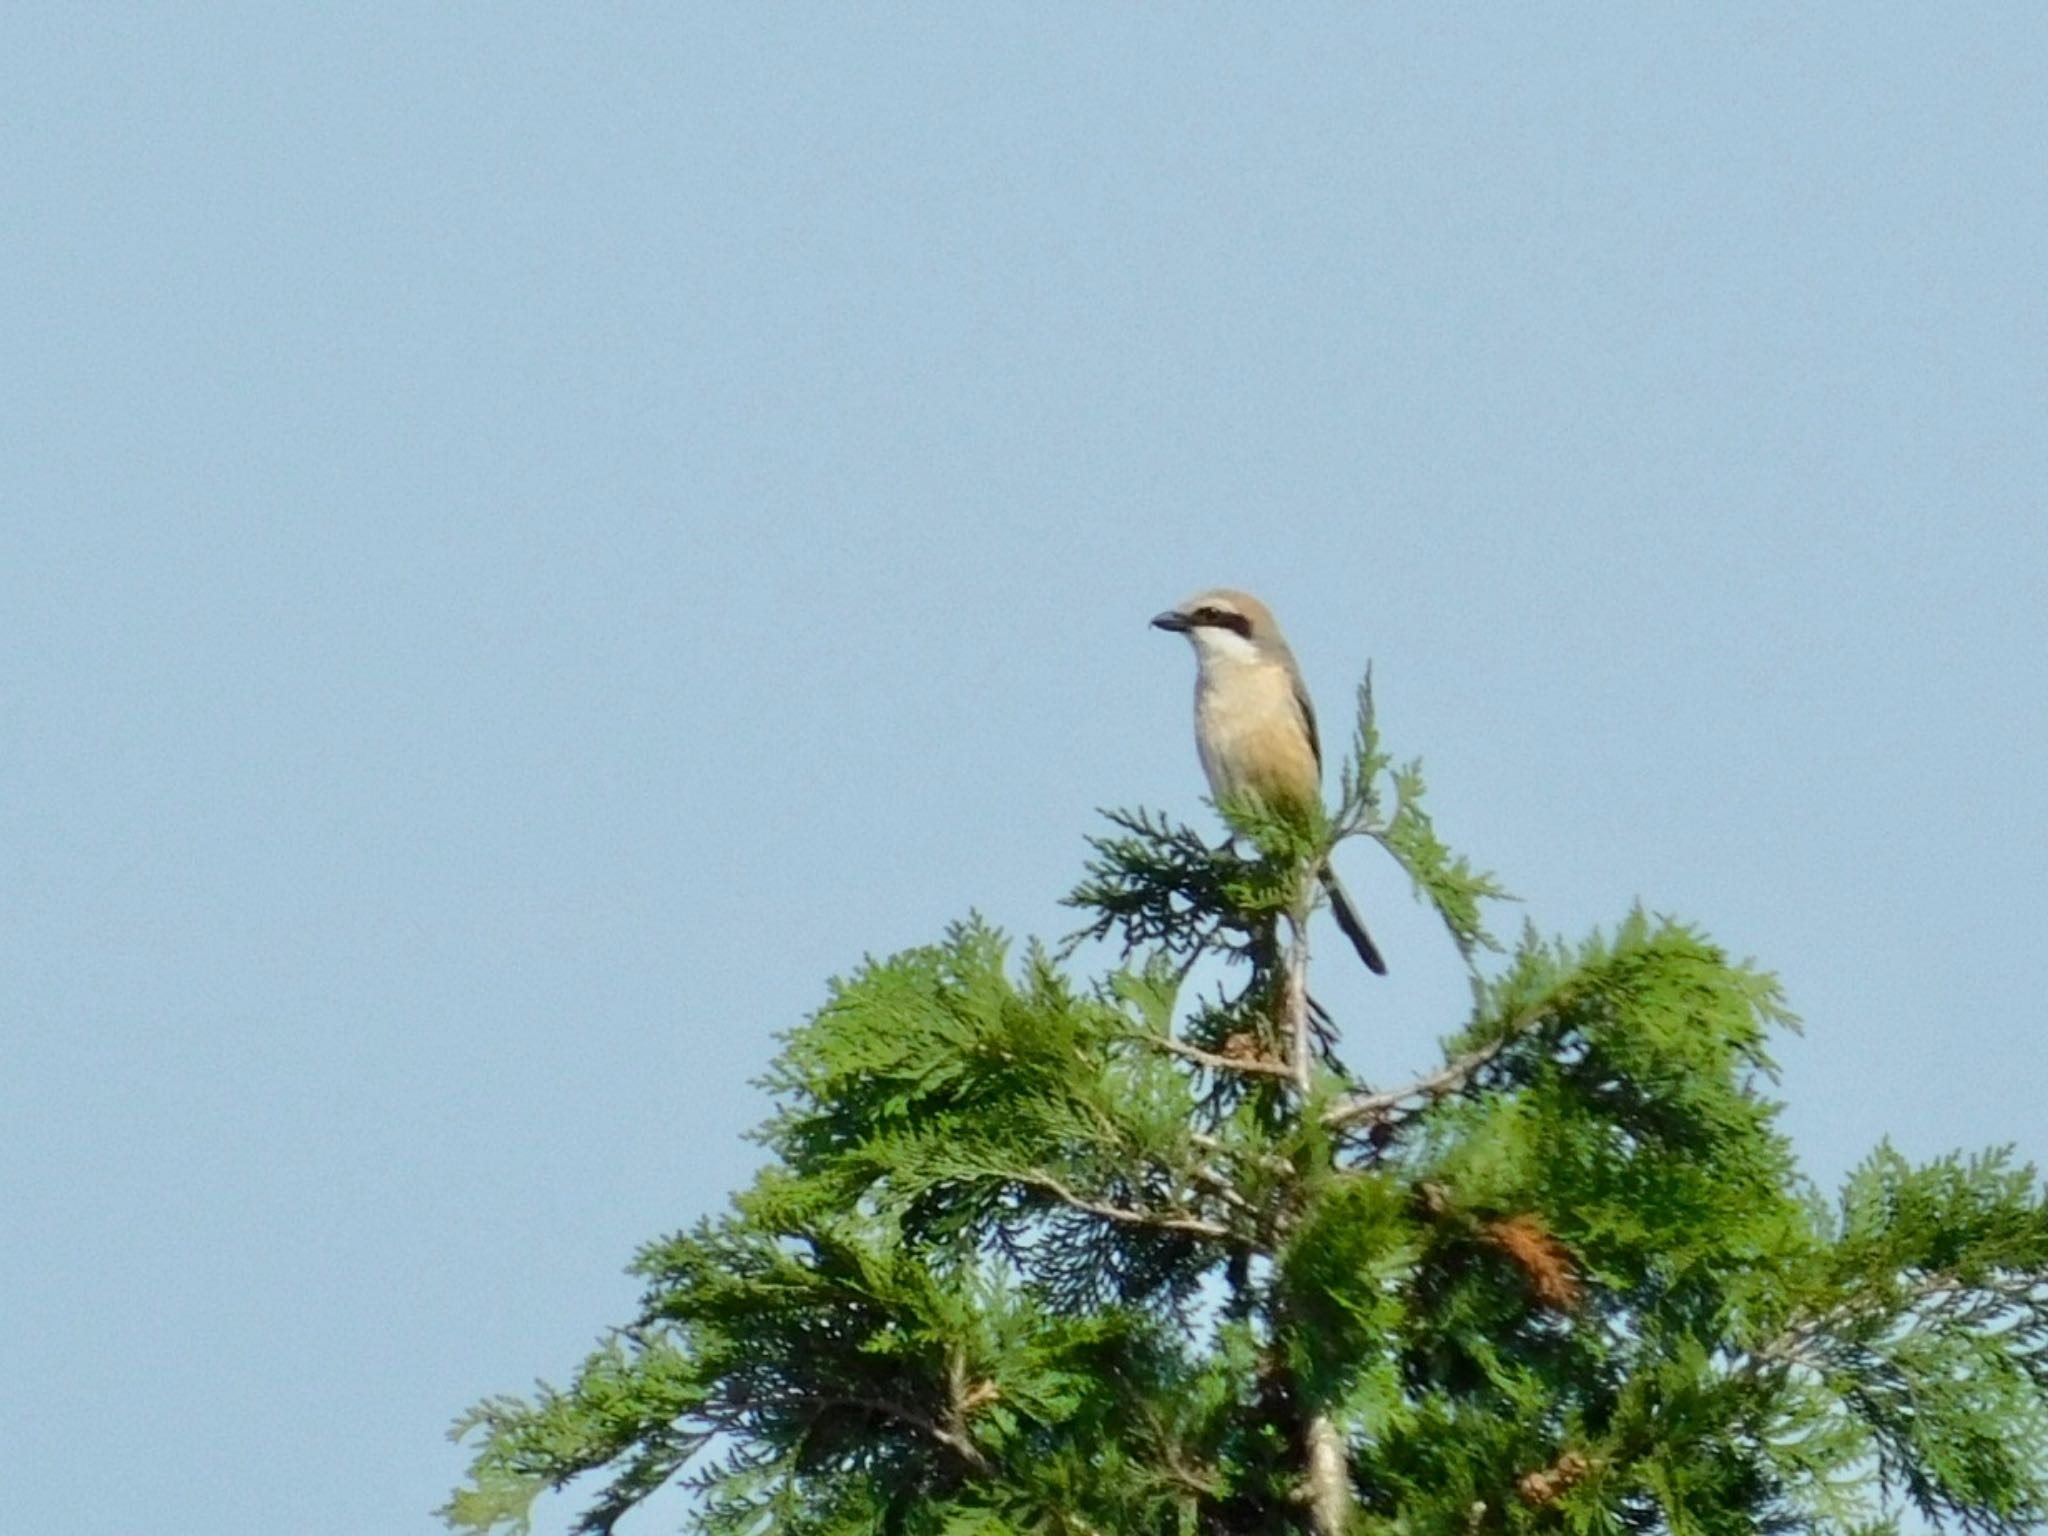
{"points": [[1255, 728]]}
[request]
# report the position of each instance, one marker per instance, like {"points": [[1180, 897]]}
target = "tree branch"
{"points": [[1326, 1489], [1294, 1006]]}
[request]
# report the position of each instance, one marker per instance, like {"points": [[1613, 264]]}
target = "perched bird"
{"points": [[1254, 725]]}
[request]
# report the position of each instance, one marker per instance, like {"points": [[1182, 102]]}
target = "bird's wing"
{"points": [[1308, 713]]}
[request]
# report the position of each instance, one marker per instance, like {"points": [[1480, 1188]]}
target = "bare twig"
{"points": [[1358, 1108], [1221, 1187], [1123, 1215], [1250, 1066], [1379, 1108]]}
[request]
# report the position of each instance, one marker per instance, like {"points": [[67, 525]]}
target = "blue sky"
{"points": [[533, 536]]}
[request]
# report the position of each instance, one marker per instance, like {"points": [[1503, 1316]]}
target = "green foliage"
{"points": [[1446, 880], [1038, 1254], [1158, 889]]}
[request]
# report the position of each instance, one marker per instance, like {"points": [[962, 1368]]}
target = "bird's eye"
{"points": [[1208, 615]]}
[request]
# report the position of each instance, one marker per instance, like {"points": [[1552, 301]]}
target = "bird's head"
{"points": [[1225, 625]]}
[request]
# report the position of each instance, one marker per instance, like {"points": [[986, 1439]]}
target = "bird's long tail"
{"points": [[1353, 926]]}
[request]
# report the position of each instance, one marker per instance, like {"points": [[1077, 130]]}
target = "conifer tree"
{"points": [[1039, 1253]]}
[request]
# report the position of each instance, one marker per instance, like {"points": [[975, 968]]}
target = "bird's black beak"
{"points": [[1169, 620]]}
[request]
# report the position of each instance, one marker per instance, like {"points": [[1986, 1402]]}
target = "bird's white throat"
{"points": [[1216, 644]]}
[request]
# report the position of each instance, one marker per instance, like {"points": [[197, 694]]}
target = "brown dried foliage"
{"points": [[1542, 1259]]}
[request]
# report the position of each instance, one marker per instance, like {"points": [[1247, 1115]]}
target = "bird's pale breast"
{"points": [[1249, 731]]}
